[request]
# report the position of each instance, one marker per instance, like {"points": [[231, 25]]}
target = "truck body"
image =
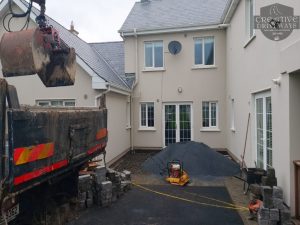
{"points": [[42, 147]]}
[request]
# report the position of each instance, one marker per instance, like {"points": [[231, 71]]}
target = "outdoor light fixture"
{"points": [[277, 81], [180, 90]]}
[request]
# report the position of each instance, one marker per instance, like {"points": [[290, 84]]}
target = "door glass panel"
{"points": [[264, 141], [170, 124], [269, 131], [259, 133], [185, 122]]}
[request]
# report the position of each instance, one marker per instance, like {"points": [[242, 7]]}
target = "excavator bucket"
{"points": [[37, 51], [23, 53], [61, 69]]}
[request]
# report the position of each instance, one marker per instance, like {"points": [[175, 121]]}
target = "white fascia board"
{"points": [[98, 83], [165, 31], [231, 11], [118, 90]]}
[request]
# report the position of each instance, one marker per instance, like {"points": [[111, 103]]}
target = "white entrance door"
{"points": [[263, 130], [177, 123]]}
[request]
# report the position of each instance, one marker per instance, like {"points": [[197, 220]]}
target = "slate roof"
{"points": [[86, 52], [168, 14], [113, 53]]}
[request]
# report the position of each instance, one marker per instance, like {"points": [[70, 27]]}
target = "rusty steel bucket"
{"points": [[61, 70], [23, 53]]}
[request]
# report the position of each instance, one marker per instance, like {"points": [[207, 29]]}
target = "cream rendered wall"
{"points": [[161, 86], [250, 69], [118, 133]]}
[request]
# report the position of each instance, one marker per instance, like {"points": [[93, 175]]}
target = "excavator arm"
{"points": [[38, 51]]}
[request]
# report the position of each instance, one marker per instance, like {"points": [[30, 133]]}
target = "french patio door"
{"points": [[177, 123], [263, 130]]}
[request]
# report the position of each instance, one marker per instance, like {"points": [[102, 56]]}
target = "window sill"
{"points": [[160, 69], [208, 129], [249, 41], [198, 67], [146, 129]]}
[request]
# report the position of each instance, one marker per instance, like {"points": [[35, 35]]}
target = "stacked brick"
{"points": [[102, 187], [273, 211], [85, 196]]}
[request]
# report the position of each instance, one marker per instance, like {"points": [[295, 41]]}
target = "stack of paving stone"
{"points": [[270, 179], [105, 194], [85, 196], [102, 187], [109, 185], [273, 211], [125, 180]]}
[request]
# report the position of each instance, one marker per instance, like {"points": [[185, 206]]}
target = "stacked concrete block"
{"points": [[84, 191], [100, 174], [267, 193], [127, 175], [270, 179], [106, 193], [263, 216], [277, 198], [285, 216]]}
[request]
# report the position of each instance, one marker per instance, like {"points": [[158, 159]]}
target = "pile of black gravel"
{"points": [[198, 159]]}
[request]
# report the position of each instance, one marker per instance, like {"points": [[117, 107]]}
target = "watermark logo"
{"points": [[276, 21]]}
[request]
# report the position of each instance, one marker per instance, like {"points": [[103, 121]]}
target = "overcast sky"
{"points": [[95, 20]]}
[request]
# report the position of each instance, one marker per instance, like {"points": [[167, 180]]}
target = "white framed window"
{"points": [[204, 49], [250, 32], [154, 54], [210, 114], [56, 102], [147, 115]]}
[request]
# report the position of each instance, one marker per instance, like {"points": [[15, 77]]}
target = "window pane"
{"points": [[150, 115], [198, 52], [143, 115], [213, 114], [209, 51], [148, 55], [57, 103], [158, 54], [205, 114], [43, 103], [69, 103]]}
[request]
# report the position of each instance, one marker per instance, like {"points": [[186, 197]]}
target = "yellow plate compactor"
{"points": [[176, 174]]}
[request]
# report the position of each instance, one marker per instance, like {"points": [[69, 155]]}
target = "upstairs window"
{"points": [[205, 51], [147, 115], [249, 18], [154, 54]]}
